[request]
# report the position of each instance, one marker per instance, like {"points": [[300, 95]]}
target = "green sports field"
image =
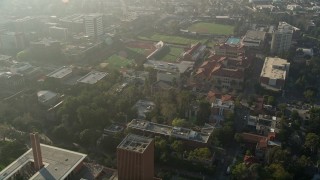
{"points": [[170, 39], [212, 28], [173, 54], [117, 61]]}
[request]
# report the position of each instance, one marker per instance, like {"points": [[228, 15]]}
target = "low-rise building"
{"points": [[221, 73], [264, 123], [229, 50], [191, 137], [254, 39], [274, 73], [61, 73], [47, 98], [221, 105], [92, 77]]}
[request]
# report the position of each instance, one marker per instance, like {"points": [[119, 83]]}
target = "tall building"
{"points": [[12, 40], [36, 150], [281, 38], [135, 158], [93, 25]]}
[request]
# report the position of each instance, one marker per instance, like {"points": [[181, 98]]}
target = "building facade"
{"points": [[135, 158], [274, 73], [281, 38], [93, 25]]}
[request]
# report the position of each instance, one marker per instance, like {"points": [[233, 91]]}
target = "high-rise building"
{"points": [[12, 40], [36, 150], [135, 158], [93, 25], [281, 38]]}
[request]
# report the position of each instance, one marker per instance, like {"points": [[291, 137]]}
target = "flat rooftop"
{"points": [[92, 77], [255, 35], [61, 72], [135, 143], [58, 163], [177, 132], [275, 68]]}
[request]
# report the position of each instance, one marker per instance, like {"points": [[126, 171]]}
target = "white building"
{"points": [[281, 38], [274, 73], [93, 25], [47, 98]]}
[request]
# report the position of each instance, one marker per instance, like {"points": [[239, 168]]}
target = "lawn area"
{"points": [[170, 39], [172, 55], [212, 28], [139, 51], [117, 61]]}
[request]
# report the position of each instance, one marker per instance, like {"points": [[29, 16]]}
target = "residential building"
{"points": [[10, 80], [61, 73], [13, 41], [229, 50], [261, 143], [281, 38], [74, 23], [47, 98], [194, 53], [58, 33], [44, 162], [26, 25], [92, 77], [161, 86], [264, 123], [135, 158], [254, 39], [274, 73], [222, 72], [93, 25], [221, 105], [189, 136]]}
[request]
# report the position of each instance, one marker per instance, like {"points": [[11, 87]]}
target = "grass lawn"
{"points": [[139, 50], [117, 61], [170, 39], [212, 28], [172, 55]]}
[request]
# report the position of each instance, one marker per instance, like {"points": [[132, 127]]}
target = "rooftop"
{"points": [[177, 132], [61, 72], [4, 57], [135, 143], [92, 77], [275, 68], [45, 96], [255, 35], [58, 163]]}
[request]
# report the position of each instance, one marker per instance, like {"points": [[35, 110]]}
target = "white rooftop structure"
{"points": [[61, 72], [254, 38], [92, 77], [45, 96], [135, 143], [176, 132], [4, 57], [275, 68], [58, 163]]}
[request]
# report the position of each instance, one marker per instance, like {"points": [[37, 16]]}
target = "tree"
{"points": [[271, 100], [89, 137], [200, 153], [60, 132], [238, 137], [309, 95], [168, 110], [177, 146], [181, 123], [278, 172], [203, 113], [240, 171], [312, 142]]}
